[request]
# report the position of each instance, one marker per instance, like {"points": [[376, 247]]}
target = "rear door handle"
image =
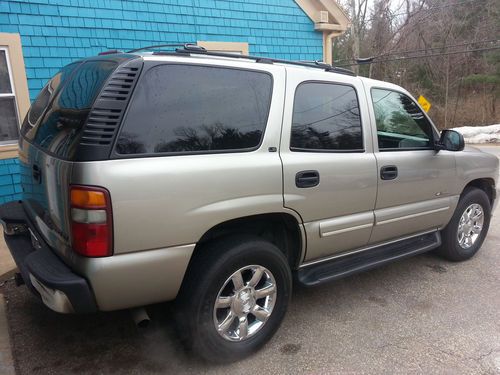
{"points": [[306, 179], [388, 172]]}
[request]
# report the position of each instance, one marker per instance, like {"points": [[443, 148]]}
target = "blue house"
{"points": [[38, 37]]}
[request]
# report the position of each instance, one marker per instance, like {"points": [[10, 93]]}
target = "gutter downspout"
{"points": [[329, 47], [328, 50]]}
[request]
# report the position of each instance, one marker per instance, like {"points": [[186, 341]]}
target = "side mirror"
{"points": [[450, 140]]}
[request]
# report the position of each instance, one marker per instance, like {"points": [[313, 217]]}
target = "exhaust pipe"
{"points": [[140, 317]]}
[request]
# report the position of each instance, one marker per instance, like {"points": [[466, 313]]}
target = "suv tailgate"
{"points": [[50, 136]]}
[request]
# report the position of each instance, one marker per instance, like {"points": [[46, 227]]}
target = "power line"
{"points": [[443, 47], [426, 49], [419, 57]]}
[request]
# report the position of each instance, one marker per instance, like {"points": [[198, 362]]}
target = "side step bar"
{"points": [[350, 264]]}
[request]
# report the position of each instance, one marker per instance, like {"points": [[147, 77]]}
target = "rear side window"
{"points": [[62, 122], [187, 108], [326, 118]]}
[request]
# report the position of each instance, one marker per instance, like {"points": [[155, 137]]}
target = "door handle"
{"points": [[306, 179], [388, 172]]}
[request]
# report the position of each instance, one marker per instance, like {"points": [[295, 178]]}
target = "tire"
{"points": [[456, 245], [210, 277]]}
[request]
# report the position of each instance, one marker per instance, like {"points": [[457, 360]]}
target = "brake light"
{"points": [[91, 221]]}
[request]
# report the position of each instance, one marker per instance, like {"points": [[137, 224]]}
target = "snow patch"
{"points": [[480, 134]]}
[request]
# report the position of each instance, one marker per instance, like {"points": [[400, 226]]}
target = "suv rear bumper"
{"points": [[45, 274]]}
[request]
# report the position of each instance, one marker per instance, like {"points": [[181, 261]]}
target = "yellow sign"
{"points": [[424, 103]]}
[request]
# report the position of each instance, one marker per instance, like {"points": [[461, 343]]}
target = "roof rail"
{"points": [[193, 49], [157, 46]]}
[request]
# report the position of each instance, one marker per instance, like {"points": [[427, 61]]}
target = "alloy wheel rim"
{"points": [[244, 303], [470, 226]]}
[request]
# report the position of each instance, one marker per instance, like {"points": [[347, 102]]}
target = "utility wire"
{"points": [[425, 49], [443, 47], [419, 57]]}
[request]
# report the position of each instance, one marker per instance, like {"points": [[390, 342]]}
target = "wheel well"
{"points": [[485, 184], [278, 228]]}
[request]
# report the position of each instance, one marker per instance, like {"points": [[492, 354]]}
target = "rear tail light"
{"points": [[91, 221]]}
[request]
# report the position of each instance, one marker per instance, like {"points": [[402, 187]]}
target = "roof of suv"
{"points": [[191, 50]]}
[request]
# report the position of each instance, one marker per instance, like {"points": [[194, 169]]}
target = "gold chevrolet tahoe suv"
{"points": [[217, 179]]}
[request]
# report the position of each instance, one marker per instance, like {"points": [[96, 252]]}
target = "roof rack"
{"points": [[157, 46], [193, 49]]}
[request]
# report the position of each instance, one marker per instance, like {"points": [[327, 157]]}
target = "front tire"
{"points": [[234, 298], [465, 233]]}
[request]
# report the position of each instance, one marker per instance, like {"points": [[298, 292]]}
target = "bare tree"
{"points": [[422, 45]]}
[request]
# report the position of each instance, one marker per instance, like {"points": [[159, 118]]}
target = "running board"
{"points": [[350, 264]]}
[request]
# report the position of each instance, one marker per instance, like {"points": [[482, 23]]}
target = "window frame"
{"points": [[435, 132], [148, 65], [11, 95], [297, 149]]}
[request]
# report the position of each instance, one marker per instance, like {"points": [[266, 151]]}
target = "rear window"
{"points": [[43, 99], [186, 108], [68, 98]]}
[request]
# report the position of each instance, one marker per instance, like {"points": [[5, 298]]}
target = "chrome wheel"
{"points": [[470, 226], [244, 303]]}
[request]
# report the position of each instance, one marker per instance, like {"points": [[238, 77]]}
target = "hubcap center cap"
{"points": [[468, 226], [244, 301]]}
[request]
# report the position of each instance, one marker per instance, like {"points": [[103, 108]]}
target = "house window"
{"points": [[9, 126]]}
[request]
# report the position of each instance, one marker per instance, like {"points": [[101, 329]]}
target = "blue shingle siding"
{"points": [[65, 30], [57, 32], [10, 188]]}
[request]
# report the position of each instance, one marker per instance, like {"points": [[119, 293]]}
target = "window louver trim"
{"points": [[107, 112]]}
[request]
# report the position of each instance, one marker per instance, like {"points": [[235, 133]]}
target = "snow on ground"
{"points": [[480, 134]]}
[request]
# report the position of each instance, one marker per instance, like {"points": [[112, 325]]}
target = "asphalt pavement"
{"points": [[420, 315]]}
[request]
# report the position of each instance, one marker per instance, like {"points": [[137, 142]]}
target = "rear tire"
{"points": [[262, 285], [465, 233]]}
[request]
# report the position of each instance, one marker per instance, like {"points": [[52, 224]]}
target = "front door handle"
{"points": [[388, 172], [306, 179]]}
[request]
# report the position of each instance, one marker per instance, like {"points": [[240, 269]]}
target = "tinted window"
{"points": [[43, 99], [61, 125], [185, 108], [400, 122], [326, 117]]}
